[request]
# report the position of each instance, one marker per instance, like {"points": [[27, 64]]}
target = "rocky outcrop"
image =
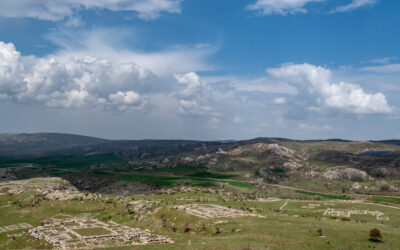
{"points": [[381, 166], [6, 175], [270, 175], [281, 151], [312, 173], [356, 186], [292, 165], [347, 173]]}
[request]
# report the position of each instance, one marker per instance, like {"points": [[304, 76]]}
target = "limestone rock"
{"points": [[347, 173], [356, 186], [280, 150]]}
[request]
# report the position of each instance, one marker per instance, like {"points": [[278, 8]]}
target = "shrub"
{"points": [[186, 228], [164, 221], [385, 187], [375, 235], [203, 226]]}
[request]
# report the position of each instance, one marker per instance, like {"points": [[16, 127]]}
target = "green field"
{"points": [[213, 175], [327, 196], [179, 170], [381, 199]]}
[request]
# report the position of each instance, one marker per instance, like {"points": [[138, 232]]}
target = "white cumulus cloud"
{"points": [[190, 81], [342, 96], [74, 82], [192, 108], [193, 95]]}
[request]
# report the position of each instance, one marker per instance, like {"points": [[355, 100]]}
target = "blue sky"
{"points": [[209, 69]]}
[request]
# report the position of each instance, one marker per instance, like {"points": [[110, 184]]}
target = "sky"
{"points": [[201, 69]]}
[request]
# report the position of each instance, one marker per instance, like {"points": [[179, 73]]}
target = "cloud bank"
{"points": [[116, 82], [76, 82]]}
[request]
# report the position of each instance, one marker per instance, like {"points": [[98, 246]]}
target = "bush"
{"points": [[203, 226], [375, 235], [385, 187], [164, 221], [186, 228]]}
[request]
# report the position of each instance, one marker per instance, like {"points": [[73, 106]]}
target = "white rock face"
{"points": [[356, 186], [292, 165], [188, 159], [280, 150], [312, 173], [347, 173]]}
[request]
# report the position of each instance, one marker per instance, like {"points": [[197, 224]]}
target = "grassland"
{"points": [[293, 227], [384, 199], [327, 196]]}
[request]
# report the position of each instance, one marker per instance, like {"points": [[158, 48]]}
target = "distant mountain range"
{"points": [[48, 144], [13, 145], [45, 144]]}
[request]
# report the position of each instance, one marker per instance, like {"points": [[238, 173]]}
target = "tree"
{"points": [[375, 235]]}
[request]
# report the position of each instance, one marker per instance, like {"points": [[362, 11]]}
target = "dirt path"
{"points": [[284, 205]]}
